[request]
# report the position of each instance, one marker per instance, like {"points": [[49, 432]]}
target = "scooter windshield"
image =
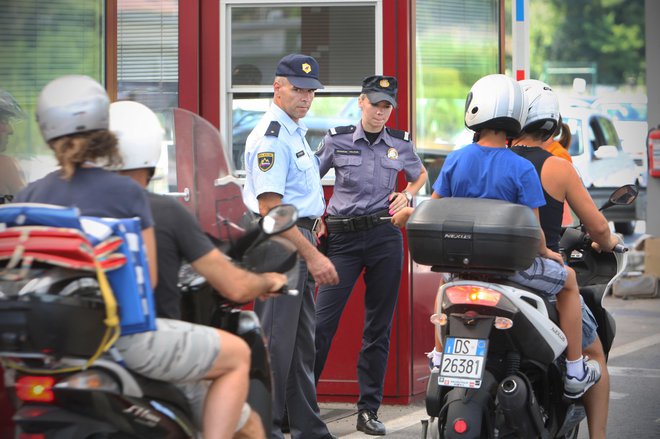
{"points": [[199, 172]]}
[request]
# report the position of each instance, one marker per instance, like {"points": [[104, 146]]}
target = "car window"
{"points": [[610, 136]]}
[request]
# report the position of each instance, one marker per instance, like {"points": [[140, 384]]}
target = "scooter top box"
{"points": [[473, 235]]}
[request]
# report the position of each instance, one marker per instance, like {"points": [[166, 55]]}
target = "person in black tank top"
{"points": [[552, 213], [560, 183]]}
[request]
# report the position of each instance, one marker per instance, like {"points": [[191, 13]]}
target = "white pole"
{"points": [[520, 30]]}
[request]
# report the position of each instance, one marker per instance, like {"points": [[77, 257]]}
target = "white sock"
{"points": [[436, 357], [575, 368]]}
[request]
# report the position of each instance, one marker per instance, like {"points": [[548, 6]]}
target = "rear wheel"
{"points": [[625, 228]]}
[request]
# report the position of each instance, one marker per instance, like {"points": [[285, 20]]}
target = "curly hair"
{"points": [[73, 151]]}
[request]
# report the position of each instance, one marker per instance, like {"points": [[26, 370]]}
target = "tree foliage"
{"points": [[607, 32]]}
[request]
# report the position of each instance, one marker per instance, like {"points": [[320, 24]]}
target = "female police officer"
{"points": [[367, 158]]}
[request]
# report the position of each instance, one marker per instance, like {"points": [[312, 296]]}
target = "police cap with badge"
{"points": [[380, 88]]}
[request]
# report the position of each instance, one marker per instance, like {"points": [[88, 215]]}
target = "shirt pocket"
{"points": [[347, 170], [388, 170], [305, 169]]}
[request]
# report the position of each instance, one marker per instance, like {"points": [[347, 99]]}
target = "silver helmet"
{"points": [[495, 102], [543, 108], [9, 108], [72, 104]]}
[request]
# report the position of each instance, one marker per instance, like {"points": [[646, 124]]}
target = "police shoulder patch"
{"points": [[273, 129], [399, 134], [265, 160], [347, 129]]}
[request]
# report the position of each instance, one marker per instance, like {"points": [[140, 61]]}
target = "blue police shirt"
{"points": [[283, 164], [365, 174]]}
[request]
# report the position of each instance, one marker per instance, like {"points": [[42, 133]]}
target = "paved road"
{"points": [[635, 384], [634, 366]]}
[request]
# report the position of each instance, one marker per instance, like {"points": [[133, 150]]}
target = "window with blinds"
{"points": [[457, 42], [344, 37], [148, 52], [39, 41]]}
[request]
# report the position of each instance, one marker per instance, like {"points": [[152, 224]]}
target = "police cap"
{"points": [[301, 70], [380, 88]]}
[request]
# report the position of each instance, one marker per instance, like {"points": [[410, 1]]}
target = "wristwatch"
{"points": [[409, 197]]}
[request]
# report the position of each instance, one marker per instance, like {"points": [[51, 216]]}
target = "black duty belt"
{"points": [[308, 223], [344, 224]]}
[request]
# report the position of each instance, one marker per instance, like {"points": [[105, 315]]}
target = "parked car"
{"points": [[603, 164], [629, 115]]}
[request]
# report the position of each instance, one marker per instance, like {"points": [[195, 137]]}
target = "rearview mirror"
{"points": [[280, 218], [623, 196]]}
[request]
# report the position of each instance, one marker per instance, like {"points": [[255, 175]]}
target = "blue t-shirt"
{"points": [[476, 171], [94, 191]]}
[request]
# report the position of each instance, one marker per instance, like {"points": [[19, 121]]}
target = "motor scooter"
{"points": [[502, 366], [51, 319]]}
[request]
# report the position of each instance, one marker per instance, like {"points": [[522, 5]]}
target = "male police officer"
{"points": [[367, 159], [281, 168]]}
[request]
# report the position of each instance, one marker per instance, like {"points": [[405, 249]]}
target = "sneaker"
{"points": [[435, 359], [575, 388]]}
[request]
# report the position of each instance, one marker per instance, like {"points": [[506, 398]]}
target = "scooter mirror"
{"points": [[279, 219], [623, 196]]}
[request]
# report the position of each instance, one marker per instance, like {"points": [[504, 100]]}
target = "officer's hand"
{"points": [[398, 201], [320, 230], [322, 270], [401, 217]]}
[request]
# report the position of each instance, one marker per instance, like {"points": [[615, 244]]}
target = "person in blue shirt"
{"points": [[495, 109], [367, 158], [281, 168]]}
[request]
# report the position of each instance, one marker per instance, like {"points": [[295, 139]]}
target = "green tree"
{"points": [[607, 32]]}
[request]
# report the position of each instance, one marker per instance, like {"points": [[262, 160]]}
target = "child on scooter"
{"points": [[495, 109]]}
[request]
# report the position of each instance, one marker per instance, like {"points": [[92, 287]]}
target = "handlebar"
{"points": [[619, 248]]}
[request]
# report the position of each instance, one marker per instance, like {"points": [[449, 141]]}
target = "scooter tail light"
{"points": [[472, 295], [35, 388], [460, 426]]}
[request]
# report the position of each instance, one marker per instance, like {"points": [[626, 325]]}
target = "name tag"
{"points": [[348, 151]]}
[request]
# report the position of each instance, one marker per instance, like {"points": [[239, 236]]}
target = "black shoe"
{"points": [[367, 422]]}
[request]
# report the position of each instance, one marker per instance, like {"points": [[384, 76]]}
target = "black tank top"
{"points": [[551, 214]]}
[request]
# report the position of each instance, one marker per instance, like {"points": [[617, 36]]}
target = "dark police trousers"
{"points": [[379, 251], [288, 322]]}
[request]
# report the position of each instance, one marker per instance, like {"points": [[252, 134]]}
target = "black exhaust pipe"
{"points": [[519, 406]]}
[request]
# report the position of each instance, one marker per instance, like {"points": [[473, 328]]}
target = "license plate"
{"points": [[463, 361]]}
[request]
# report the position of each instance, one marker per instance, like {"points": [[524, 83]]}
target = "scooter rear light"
{"points": [[31, 436], [35, 388], [460, 426], [472, 295]]}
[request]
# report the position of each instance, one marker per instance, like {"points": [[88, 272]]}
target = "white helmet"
{"points": [[72, 104], [496, 102], [543, 107], [139, 134]]}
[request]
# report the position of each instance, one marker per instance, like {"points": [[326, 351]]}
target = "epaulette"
{"points": [[273, 129], [342, 130], [399, 134]]}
